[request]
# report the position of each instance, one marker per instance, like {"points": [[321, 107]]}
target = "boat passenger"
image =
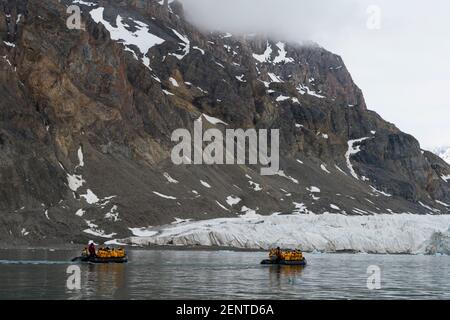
{"points": [[278, 253], [91, 248]]}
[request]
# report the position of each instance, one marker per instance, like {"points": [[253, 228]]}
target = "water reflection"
{"points": [[221, 275], [104, 280], [282, 274]]}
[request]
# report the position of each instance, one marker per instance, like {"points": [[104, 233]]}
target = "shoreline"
{"points": [[201, 248]]}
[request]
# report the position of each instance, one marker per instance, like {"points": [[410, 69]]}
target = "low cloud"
{"points": [[402, 66]]}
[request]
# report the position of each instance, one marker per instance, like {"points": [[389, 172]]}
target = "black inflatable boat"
{"points": [[284, 262], [90, 259]]}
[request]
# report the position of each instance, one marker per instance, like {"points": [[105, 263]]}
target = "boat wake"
{"points": [[31, 262]]}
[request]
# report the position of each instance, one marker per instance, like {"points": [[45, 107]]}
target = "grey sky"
{"points": [[403, 68]]}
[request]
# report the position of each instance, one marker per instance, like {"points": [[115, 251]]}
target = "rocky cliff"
{"points": [[87, 116]]}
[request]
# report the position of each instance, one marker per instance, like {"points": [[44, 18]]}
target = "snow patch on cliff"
{"points": [[352, 150], [141, 38]]}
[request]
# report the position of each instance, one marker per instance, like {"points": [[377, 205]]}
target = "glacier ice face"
{"points": [[439, 243], [386, 233]]}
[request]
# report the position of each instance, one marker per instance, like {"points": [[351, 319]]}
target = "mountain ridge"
{"points": [[87, 118]]}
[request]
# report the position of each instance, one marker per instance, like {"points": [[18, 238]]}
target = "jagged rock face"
{"points": [[87, 116]]}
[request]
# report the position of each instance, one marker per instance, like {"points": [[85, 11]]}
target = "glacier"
{"points": [[381, 234]]}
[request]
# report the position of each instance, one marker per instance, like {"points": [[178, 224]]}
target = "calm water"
{"points": [[41, 274]]}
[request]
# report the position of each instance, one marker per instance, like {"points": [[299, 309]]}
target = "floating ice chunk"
{"points": [[164, 196]]}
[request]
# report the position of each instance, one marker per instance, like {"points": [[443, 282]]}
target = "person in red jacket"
{"points": [[91, 249]]}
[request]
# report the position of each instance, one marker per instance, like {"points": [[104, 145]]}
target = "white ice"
{"points": [[212, 120], [164, 196], [302, 89], [232, 200], [282, 54], [169, 178], [265, 57], [141, 38], [352, 150], [384, 233], [205, 184]]}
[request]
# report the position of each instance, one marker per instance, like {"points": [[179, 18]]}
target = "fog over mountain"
{"points": [[402, 67]]}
